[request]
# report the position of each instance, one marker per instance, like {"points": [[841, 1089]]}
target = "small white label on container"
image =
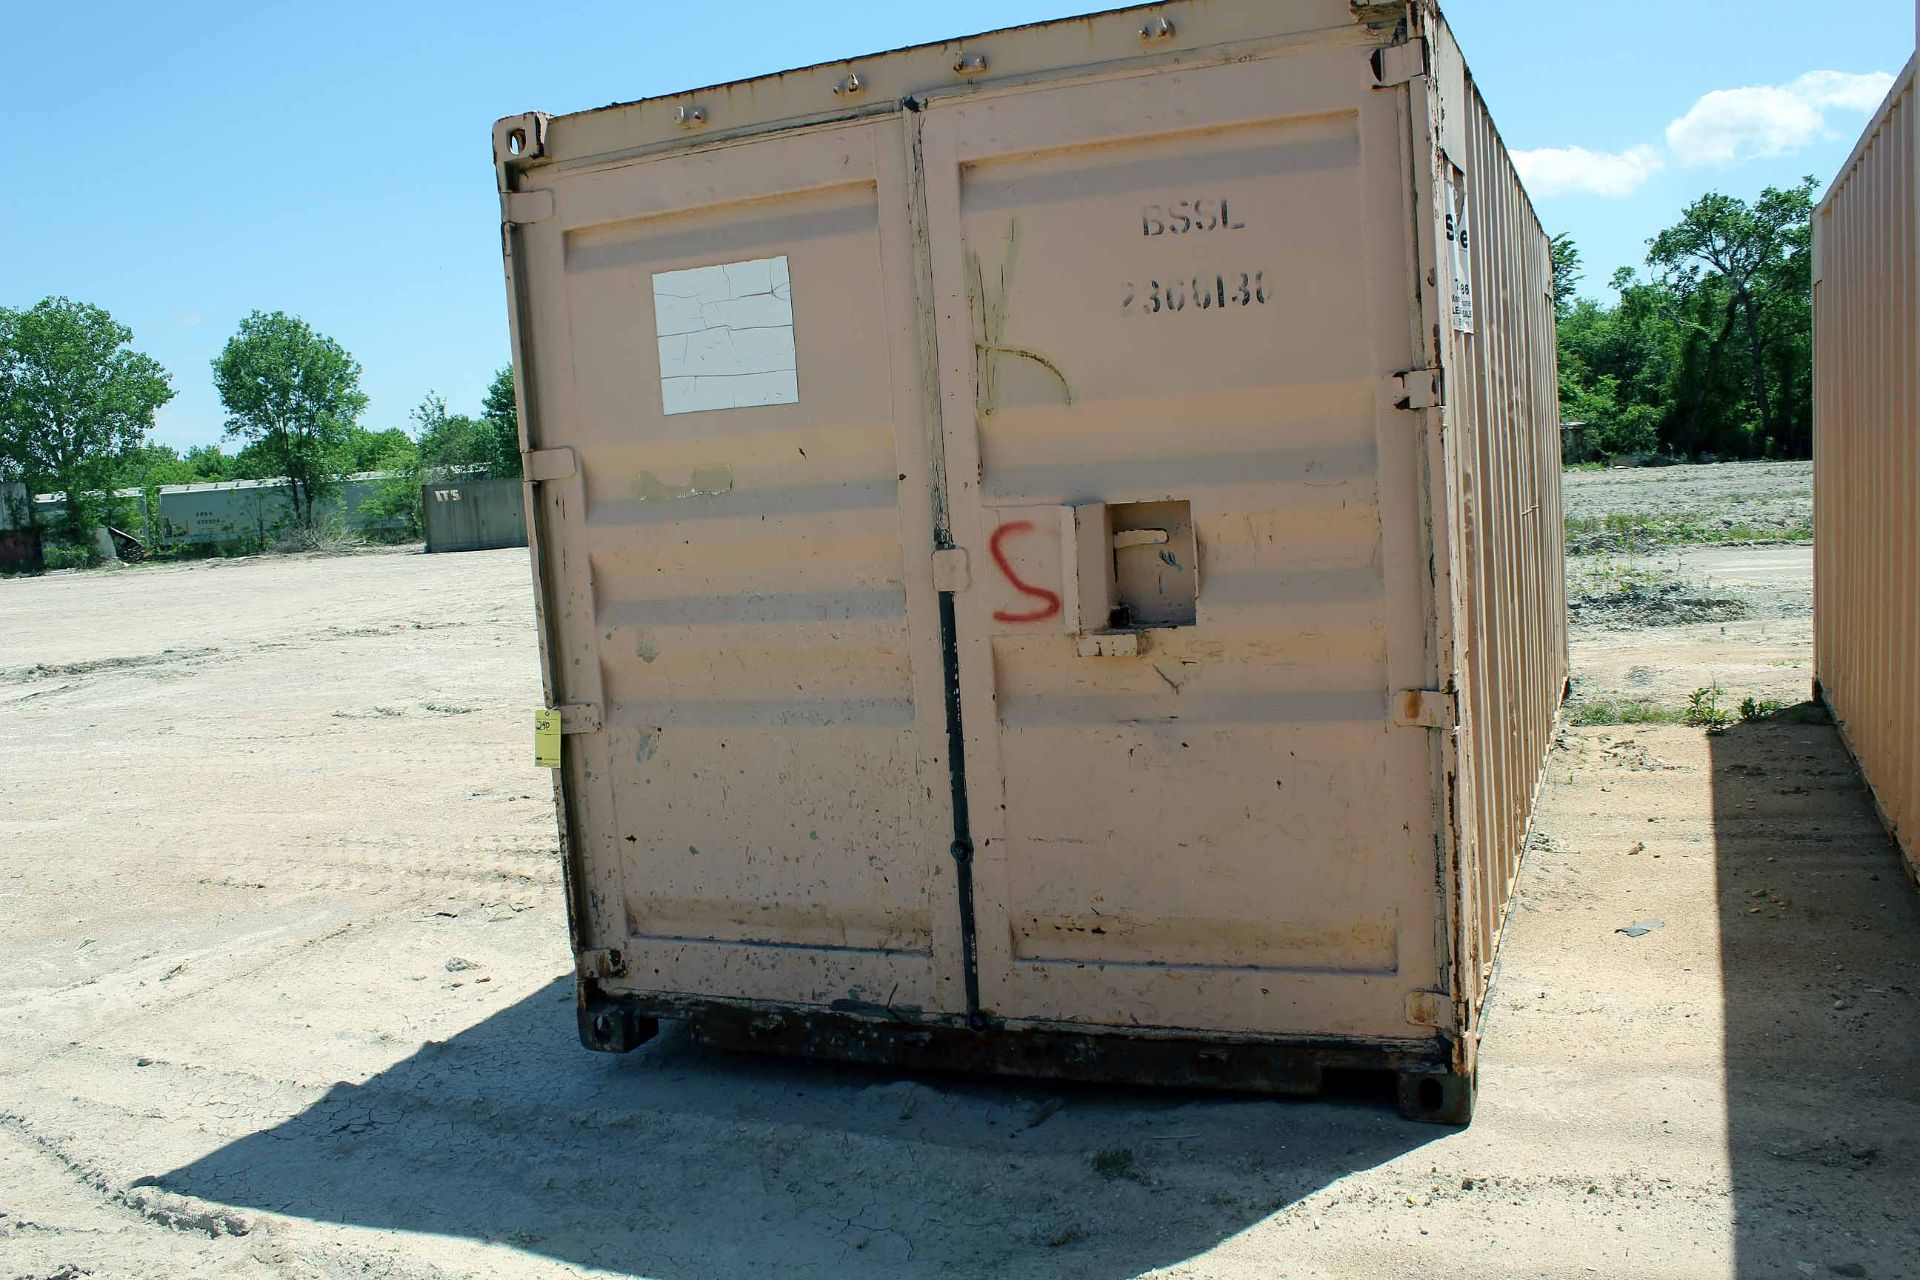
{"points": [[1459, 250], [726, 336]]}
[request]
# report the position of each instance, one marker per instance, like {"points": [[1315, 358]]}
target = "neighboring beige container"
{"points": [[1048, 547], [1866, 459]]}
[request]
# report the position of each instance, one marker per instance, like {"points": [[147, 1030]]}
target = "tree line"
{"points": [[77, 406], [1710, 353]]}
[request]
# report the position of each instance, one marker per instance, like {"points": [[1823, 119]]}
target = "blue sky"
{"points": [[183, 164]]}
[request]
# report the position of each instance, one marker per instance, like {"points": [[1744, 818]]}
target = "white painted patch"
{"points": [[726, 336]]}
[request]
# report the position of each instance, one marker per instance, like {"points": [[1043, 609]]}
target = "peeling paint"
{"points": [[706, 482]]}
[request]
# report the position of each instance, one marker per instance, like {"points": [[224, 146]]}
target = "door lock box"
{"points": [[1135, 568]]}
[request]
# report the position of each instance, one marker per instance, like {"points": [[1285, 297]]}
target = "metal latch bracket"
{"points": [[606, 962], [1414, 389], [579, 717], [523, 208], [1396, 64], [1430, 1009], [1424, 709], [548, 464]]}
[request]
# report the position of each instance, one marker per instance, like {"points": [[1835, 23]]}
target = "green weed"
{"points": [[1706, 709], [1603, 711]]}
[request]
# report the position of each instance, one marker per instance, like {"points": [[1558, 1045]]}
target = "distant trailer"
{"points": [[474, 515], [235, 514], [1866, 459]]}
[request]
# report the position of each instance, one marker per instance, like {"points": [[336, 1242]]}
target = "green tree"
{"points": [[396, 497], [75, 398], [1712, 353], [502, 419], [450, 441], [1616, 367], [363, 449], [293, 394], [210, 462], [1566, 271], [148, 465], [152, 464], [1743, 271]]}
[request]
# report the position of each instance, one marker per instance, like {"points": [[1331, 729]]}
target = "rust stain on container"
{"points": [[1866, 459], [1134, 628]]}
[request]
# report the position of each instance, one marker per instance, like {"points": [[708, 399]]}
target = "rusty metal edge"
{"points": [[1363, 14], [1092, 1056]]}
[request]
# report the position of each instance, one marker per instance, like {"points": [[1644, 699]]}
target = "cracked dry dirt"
{"points": [[281, 948]]}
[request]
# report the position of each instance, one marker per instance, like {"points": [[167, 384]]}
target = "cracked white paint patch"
{"points": [[726, 336]]}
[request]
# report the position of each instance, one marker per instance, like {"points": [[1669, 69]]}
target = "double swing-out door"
{"points": [[1073, 392]]}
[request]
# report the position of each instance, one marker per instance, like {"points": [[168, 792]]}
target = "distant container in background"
{"points": [[474, 515], [20, 545], [1866, 459], [1048, 547]]}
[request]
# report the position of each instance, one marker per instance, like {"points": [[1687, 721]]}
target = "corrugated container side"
{"points": [[1867, 460], [1503, 407]]}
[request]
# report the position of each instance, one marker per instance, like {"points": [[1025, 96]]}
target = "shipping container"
{"points": [[1866, 460], [474, 514], [20, 541], [1048, 547]]}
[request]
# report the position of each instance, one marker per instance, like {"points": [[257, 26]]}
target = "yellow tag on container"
{"points": [[546, 738]]}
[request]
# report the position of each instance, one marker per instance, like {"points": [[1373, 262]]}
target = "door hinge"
{"points": [[1415, 389], [1398, 63], [579, 717], [950, 571], [1424, 709], [523, 208], [1430, 1009], [548, 464]]}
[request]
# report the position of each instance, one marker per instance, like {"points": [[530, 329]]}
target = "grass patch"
{"points": [[1603, 711], [1645, 531], [1708, 707]]}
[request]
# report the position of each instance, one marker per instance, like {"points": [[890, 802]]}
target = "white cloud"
{"points": [[1723, 127], [1760, 121], [1559, 171], [1844, 89]]}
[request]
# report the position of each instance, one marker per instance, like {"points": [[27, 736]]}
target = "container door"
{"points": [[1166, 308], [734, 551]]}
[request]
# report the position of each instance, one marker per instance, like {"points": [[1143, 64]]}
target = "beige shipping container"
{"points": [[1866, 459], [1048, 547]]}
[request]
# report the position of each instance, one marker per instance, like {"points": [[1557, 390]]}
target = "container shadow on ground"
{"points": [[692, 1164], [1822, 1007]]}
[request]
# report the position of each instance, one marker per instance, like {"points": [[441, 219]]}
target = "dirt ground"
{"points": [[283, 993], [1771, 498]]}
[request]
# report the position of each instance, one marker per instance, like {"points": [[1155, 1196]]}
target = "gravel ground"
{"points": [[1765, 496], [283, 993], [1674, 546]]}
